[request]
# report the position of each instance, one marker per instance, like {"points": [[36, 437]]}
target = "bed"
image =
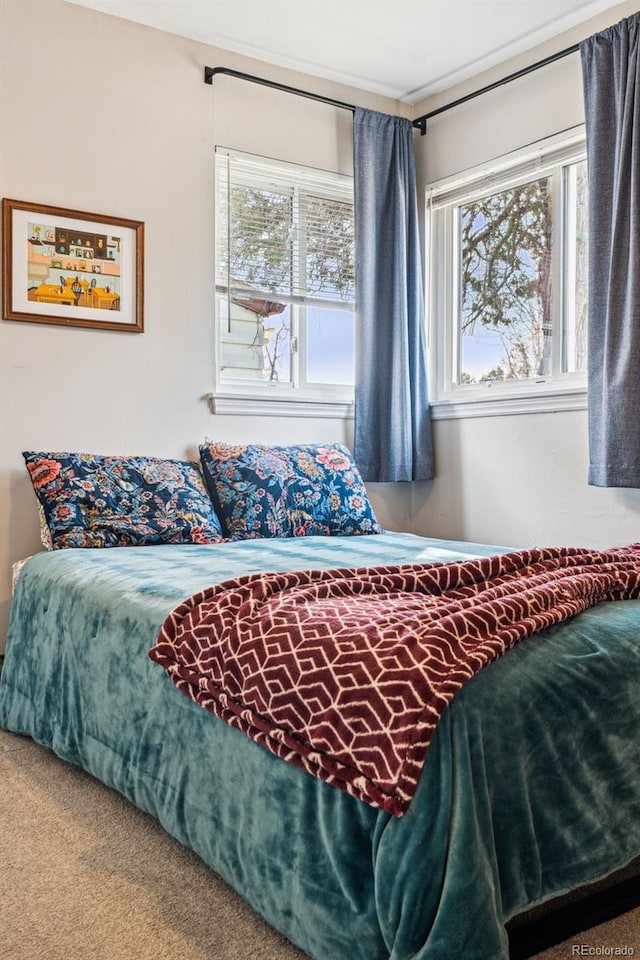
{"points": [[530, 787]]}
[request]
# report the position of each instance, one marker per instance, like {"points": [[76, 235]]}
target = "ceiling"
{"points": [[405, 49]]}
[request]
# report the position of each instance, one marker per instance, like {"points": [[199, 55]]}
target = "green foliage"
{"points": [[330, 247], [506, 243], [258, 251], [496, 373], [264, 249], [506, 274]]}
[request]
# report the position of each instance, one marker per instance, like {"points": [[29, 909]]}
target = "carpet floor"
{"points": [[84, 875]]}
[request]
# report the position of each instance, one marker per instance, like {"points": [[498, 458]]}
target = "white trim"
{"points": [[533, 159], [300, 183], [296, 299], [225, 404], [254, 170], [562, 391], [517, 47], [234, 404], [507, 406]]}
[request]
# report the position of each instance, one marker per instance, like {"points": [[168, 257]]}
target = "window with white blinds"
{"points": [[284, 277]]}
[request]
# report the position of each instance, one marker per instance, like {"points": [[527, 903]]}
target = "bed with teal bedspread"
{"points": [[531, 785]]}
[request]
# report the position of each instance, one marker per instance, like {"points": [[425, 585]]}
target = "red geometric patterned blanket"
{"points": [[346, 672]]}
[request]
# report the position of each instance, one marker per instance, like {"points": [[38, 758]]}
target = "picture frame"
{"points": [[37, 239]]}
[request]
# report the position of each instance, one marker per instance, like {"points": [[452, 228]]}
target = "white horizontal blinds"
{"points": [[329, 248], [526, 166], [285, 232]]}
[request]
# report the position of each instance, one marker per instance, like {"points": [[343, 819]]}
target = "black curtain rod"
{"points": [[420, 122], [211, 72]]}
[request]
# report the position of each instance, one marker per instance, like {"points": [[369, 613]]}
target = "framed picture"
{"points": [[39, 289]]}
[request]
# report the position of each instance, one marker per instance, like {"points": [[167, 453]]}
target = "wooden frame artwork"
{"points": [[72, 268]]}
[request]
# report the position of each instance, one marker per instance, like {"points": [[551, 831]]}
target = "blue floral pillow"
{"points": [[286, 491], [97, 501]]}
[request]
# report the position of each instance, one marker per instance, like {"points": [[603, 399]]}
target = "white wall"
{"points": [[103, 115], [516, 480]]}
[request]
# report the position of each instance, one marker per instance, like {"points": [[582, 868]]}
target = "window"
{"points": [[507, 250], [284, 281]]}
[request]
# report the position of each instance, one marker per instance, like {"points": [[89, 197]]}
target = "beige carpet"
{"points": [[86, 876]]}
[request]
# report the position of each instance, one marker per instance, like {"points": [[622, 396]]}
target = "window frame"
{"points": [[299, 396], [557, 391]]}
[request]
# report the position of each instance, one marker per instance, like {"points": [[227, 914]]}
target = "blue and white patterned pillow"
{"points": [[101, 501], [297, 491]]}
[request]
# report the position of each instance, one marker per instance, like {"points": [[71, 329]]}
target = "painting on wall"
{"points": [[72, 268]]}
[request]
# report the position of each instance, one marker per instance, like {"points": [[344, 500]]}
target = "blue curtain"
{"points": [[392, 421], [611, 75]]}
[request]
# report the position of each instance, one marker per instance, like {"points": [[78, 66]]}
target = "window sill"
{"points": [[506, 406], [234, 404]]}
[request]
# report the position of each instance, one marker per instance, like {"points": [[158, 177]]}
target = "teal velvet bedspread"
{"points": [[531, 785]]}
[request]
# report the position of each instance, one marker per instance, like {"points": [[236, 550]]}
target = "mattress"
{"points": [[530, 787]]}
